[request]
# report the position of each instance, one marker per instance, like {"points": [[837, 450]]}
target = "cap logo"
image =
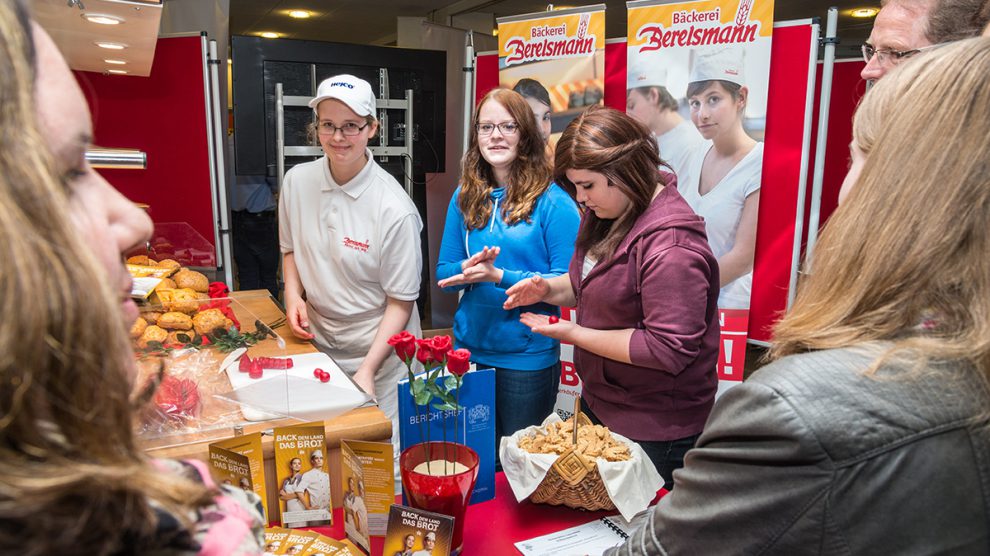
{"points": [[341, 84]]}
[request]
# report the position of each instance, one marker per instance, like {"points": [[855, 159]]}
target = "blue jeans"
{"points": [[523, 398], [666, 455]]}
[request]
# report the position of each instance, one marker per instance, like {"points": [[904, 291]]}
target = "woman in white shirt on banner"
{"points": [[722, 180], [649, 101]]}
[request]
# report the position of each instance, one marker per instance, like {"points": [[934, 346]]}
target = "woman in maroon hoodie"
{"points": [[646, 287]]}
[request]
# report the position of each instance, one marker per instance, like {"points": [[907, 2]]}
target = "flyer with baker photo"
{"points": [[369, 488], [413, 532], [248, 447], [302, 475]]}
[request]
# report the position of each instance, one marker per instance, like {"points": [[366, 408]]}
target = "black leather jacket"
{"points": [[809, 456]]}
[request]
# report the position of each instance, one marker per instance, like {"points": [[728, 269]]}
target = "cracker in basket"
{"points": [[594, 441]]}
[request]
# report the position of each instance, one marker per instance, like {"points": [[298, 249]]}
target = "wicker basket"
{"points": [[573, 481]]}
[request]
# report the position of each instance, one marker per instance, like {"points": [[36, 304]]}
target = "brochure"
{"points": [[594, 537], [297, 542], [301, 475], [274, 537], [369, 488], [412, 531], [325, 546], [475, 425], [229, 452]]}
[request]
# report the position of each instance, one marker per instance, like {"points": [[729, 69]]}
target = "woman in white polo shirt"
{"points": [[722, 179], [350, 239]]}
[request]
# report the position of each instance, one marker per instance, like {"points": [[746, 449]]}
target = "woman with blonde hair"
{"points": [[73, 479], [506, 222], [874, 412]]}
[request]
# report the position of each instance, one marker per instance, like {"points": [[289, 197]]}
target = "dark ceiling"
{"points": [[374, 21]]}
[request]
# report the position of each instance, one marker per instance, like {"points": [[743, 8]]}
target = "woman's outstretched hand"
{"points": [[526, 292], [479, 267], [548, 326]]}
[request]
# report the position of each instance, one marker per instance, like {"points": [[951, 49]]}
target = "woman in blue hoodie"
{"points": [[505, 223]]}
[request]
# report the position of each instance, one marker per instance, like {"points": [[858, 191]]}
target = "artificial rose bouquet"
{"points": [[445, 368]]}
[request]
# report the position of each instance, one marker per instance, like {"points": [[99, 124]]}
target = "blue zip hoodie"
{"points": [[543, 246]]}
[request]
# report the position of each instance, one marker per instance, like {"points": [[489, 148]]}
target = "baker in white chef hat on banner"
{"points": [[722, 181], [649, 101]]}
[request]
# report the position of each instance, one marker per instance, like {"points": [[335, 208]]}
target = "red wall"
{"points": [[163, 115]]}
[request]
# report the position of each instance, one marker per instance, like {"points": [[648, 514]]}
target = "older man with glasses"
{"points": [[904, 28]]}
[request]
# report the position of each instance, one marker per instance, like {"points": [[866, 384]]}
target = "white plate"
{"points": [[294, 392]]}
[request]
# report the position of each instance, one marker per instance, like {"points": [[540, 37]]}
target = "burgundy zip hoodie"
{"points": [[662, 281]]}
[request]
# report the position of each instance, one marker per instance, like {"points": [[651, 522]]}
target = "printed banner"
{"points": [[697, 76], [556, 57]]}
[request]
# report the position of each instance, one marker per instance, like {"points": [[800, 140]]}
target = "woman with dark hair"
{"points": [[868, 433], [74, 479], [506, 222], [645, 284], [538, 98]]}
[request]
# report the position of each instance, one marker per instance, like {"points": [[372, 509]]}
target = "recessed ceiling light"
{"points": [[269, 35], [103, 19], [116, 62], [111, 45], [118, 72], [864, 12], [299, 14]]}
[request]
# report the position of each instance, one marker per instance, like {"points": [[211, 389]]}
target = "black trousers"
{"points": [[256, 253]]}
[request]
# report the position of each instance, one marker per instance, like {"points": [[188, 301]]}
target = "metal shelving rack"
{"points": [[384, 150]]}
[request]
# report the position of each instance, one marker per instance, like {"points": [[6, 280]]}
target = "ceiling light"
{"points": [[864, 12], [115, 62], [269, 35], [118, 72], [110, 45], [299, 14], [103, 19]]}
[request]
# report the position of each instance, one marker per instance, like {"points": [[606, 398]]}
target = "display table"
{"points": [[492, 527], [363, 423]]}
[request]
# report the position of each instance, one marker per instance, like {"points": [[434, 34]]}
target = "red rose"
{"points": [[404, 344], [441, 346], [458, 361], [425, 353]]}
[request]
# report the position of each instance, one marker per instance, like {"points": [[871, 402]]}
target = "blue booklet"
{"points": [[475, 425]]}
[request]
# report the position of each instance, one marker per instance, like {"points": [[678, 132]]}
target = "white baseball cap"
{"points": [[724, 63], [644, 71], [355, 92], [431, 535]]}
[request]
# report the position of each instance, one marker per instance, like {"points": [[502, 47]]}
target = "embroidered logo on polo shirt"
{"points": [[356, 245]]}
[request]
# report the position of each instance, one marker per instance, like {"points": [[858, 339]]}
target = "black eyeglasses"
{"points": [[349, 129], [893, 57], [505, 128]]}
